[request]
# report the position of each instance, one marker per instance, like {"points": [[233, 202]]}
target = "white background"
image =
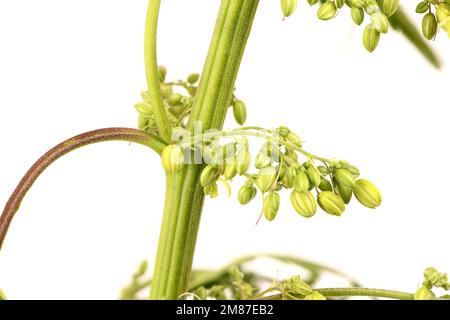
{"points": [[72, 66]]}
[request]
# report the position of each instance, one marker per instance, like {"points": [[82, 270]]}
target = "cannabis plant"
{"points": [[182, 122]]}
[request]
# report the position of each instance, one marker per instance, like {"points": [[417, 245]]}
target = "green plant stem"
{"points": [[151, 70], [354, 292], [101, 135], [184, 203]]}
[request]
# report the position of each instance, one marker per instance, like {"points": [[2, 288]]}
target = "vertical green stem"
{"points": [[184, 201]]}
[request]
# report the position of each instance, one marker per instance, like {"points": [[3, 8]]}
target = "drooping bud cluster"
{"points": [[178, 97], [433, 21], [379, 12], [329, 186]]}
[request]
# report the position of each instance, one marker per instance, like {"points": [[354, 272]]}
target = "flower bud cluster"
{"points": [[433, 21]]}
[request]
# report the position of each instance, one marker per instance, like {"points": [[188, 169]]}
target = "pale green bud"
{"points": [[327, 11], [294, 139], [266, 178], [431, 275], [143, 108], [301, 182], [246, 194], [162, 71], [288, 179], [291, 155], [175, 99], [344, 178], [312, 2], [429, 26], [239, 112], [423, 293], [315, 296], [380, 21], [323, 170], [172, 158], [230, 171], [357, 15], [345, 193], [211, 190], [192, 90], [243, 162], [142, 268], [371, 6], [271, 205], [367, 193], [325, 185], [422, 7], [339, 3], [371, 37], [313, 175], [288, 7], [193, 78], [304, 203], [283, 131], [297, 286], [262, 160], [353, 170], [390, 7], [209, 175], [331, 203]]}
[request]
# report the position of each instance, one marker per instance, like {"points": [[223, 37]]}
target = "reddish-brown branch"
{"points": [[107, 134]]}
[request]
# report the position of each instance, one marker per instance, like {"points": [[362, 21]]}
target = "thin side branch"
{"points": [[108, 134]]}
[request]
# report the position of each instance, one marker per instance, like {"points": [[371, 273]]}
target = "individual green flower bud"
{"points": [[423, 293], [175, 99], [390, 7], [246, 194], [325, 185], [229, 171], [331, 203], [211, 190], [291, 155], [367, 193], [288, 7], [294, 139], [429, 26], [283, 131], [162, 71], [356, 3], [193, 78], [371, 37], [142, 268], [266, 178], [431, 275], [172, 158], [345, 193], [209, 175], [144, 108], [371, 6], [422, 7], [312, 2], [191, 90], [304, 203], [327, 11], [243, 162], [297, 286], [262, 160], [357, 15], [239, 112], [271, 205], [380, 21], [301, 182], [288, 179], [353, 170], [345, 178], [323, 170], [313, 176], [339, 3], [315, 296]]}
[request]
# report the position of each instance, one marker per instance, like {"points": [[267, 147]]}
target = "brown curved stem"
{"points": [[84, 139]]}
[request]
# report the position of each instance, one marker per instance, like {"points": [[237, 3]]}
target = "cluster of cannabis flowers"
{"points": [[379, 11], [431, 22], [330, 185], [178, 97], [433, 279]]}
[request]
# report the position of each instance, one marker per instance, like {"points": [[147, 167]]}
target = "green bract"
{"points": [[371, 37], [301, 182], [266, 178], [288, 7], [429, 26], [313, 175], [357, 15]]}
